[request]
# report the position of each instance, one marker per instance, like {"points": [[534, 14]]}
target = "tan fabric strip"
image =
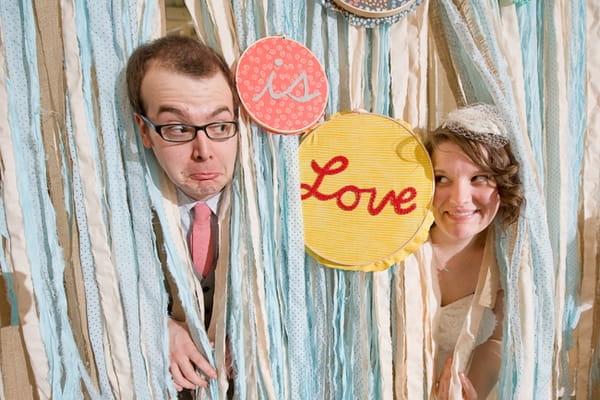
{"points": [[409, 52], [588, 329], [50, 61], [15, 377]]}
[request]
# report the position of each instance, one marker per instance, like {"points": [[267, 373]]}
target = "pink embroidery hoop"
{"points": [[282, 85]]}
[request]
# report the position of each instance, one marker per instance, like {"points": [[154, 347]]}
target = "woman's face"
{"points": [[466, 198]]}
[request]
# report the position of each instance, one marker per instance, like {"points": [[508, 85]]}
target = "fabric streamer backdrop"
{"points": [[83, 292]]}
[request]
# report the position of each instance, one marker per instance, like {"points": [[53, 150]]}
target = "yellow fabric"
{"points": [[366, 179]]}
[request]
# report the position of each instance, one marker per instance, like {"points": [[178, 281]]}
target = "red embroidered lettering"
{"points": [[339, 164]]}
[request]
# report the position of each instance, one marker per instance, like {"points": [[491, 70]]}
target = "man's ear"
{"points": [[144, 131]]}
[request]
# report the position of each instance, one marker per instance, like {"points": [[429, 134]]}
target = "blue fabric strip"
{"points": [[108, 62], [530, 28], [92, 296]]}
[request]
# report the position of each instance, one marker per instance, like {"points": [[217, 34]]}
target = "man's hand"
{"points": [[185, 358]]}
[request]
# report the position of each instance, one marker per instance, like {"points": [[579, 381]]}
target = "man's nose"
{"points": [[201, 146]]}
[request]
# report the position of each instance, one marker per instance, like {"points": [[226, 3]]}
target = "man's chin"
{"points": [[204, 193]]}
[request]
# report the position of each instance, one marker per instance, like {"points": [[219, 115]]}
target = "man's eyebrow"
{"points": [[170, 110], [182, 115], [220, 110]]}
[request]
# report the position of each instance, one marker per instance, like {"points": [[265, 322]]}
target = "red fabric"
{"points": [[201, 240]]}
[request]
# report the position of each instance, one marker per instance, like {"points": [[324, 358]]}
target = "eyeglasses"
{"points": [[180, 133]]}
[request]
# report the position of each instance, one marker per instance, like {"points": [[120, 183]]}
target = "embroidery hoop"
{"points": [[362, 12], [246, 86], [322, 225]]}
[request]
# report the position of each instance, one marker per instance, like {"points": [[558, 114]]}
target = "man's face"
{"points": [[202, 167]]}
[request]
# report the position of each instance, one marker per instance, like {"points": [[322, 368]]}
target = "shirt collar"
{"points": [[188, 203]]}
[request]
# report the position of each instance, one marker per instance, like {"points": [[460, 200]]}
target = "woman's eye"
{"points": [[481, 178], [440, 179]]}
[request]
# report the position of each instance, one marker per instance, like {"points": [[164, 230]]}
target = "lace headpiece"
{"points": [[480, 122]]}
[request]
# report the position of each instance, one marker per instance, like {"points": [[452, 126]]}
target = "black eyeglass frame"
{"points": [[158, 129]]}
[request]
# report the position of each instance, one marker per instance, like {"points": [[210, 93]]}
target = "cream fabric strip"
{"points": [[115, 346], [193, 7], [416, 290], [409, 53], [588, 329], [217, 329], [376, 41], [225, 32], [381, 299], [430, 316], [399, 316], [526, 311], [356, 53], [17, 248], [465, 343]]}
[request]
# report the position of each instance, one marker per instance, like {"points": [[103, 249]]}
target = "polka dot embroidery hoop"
{"points": [[375, 8], [282, 85]]}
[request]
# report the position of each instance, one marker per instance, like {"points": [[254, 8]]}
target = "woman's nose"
{"points": [[461, 193]]}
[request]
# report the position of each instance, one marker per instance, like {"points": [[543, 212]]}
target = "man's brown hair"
{"points": [[181, 54]]}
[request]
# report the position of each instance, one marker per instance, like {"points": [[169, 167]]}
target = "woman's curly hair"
{"points": [[500, 162]]}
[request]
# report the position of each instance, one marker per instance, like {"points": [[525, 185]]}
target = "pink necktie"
{"points": [[201, 241]]}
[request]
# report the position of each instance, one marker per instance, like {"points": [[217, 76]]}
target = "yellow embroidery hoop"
{"points": [[360, 239]]}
